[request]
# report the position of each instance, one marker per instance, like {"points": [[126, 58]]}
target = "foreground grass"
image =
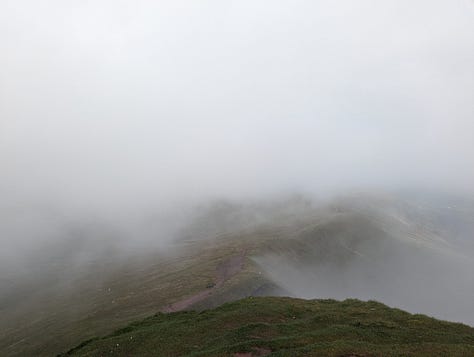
{"points": [[287, 327]]}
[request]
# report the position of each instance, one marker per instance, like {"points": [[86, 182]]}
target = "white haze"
{"points": [[121, 111]]}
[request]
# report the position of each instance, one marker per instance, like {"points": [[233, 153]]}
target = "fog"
{"points": [[130, 116], [415, 257]]}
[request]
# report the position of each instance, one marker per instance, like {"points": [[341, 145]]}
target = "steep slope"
{"points": [[286, 327]]}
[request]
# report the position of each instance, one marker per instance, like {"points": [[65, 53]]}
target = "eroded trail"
{"points": [[224, 271]]}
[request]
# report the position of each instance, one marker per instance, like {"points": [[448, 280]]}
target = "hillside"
{"points": [[365, 248], [286, 327]]}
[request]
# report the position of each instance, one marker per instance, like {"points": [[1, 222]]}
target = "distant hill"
{"points": [[286, 327]]}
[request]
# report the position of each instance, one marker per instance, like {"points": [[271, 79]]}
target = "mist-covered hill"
{"points": [[382, 247], [174, 155]]}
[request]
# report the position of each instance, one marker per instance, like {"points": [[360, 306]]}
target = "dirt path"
{"points": [[224, 271]]}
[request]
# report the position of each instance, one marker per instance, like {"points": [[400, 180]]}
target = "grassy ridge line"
{"points": [[286, 327], [137, 290], [129, 290]]}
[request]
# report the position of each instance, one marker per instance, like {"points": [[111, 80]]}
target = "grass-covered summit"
{"points": [[276, 326]]}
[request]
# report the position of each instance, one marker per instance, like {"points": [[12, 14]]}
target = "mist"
{"points": [[109, 104], [123, 123], [415, 254]]}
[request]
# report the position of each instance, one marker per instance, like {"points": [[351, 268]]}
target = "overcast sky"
{"points": [[114, 103]]}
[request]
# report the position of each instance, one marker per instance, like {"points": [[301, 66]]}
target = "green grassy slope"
{"points": [[61, 310], [286, 327]]}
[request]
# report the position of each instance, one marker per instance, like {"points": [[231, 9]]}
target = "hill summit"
{"points": [[279, 326]]}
